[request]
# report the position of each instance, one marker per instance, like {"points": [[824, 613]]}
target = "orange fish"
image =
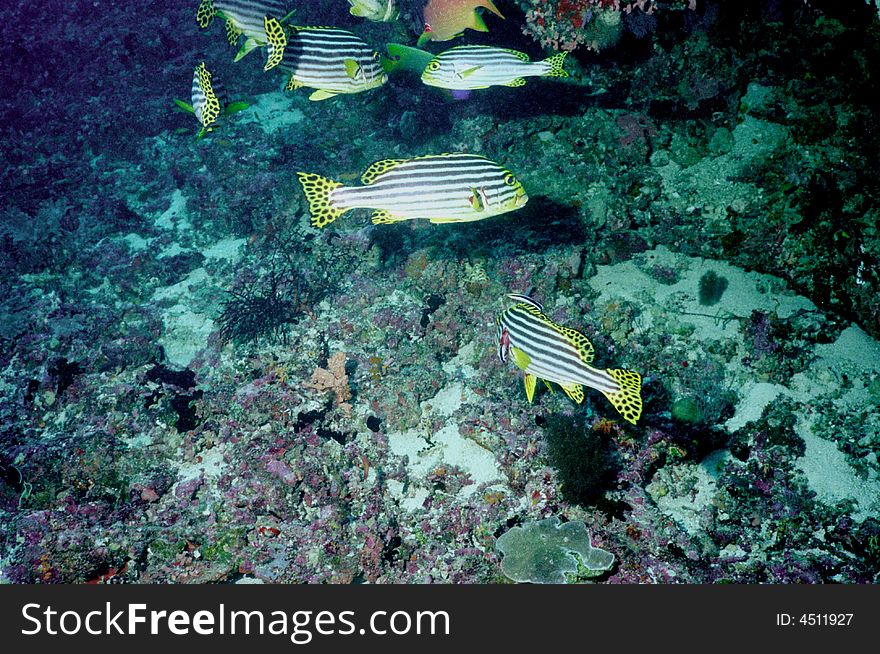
{"points": [[446, 19]]}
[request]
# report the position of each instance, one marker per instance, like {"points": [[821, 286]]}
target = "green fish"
{"points": [[544, 349], [442, 188], [468, 67]]}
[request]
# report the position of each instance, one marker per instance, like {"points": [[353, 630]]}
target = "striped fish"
{"points": [[544, 349], [331, 60], [467, 67], [443, 188], [259, 21], [205, 100]]}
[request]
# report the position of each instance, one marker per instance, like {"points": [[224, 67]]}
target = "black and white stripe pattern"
{"points": [[248, 16], [552, 356], [205, 96], [468, 67], [316, 57], [455, 187]]}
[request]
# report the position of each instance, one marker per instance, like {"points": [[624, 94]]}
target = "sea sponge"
{"points": [[543, 552]]}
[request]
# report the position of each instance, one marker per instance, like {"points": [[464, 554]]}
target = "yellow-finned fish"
{"points": [[442, 188], [544, 349], [207, 101], [467, 67], [331, 60], [259, 21], [375, 10]]}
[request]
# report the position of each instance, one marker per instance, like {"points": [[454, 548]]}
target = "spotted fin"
{"points": [[627, 400], [519, 81], [383, 217], [574, 391], [321, 94], [530, 381], [292, 84], [276, 41], [205, 13], [232, 33], [555, 62], [378, 168], [317, 190]]}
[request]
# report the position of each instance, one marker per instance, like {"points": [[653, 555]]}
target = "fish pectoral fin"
{"points": [[352, 68], [530, 381], [574, 391], [520, 358], [321, 94], [375, 169], [185, 106], [628, 398], [248, 45], [276, 41], [519, 81], [469, 71], [384, 217]]}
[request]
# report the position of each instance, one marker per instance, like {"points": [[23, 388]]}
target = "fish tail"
{"points": [[205, 13], [628, 398], [317, 190], [276, 41], [491, 7], [555, 63]]}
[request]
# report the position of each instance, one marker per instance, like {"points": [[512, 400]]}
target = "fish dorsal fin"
{"points": [[522, 56], [525, 299], [276, 41], [628, 398], [205, 13], [378, 168], [581, 343]]}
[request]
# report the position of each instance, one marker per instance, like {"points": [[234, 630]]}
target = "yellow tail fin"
{"points": [[276, 41], [317, 190], [627, 400], [555, 63]]}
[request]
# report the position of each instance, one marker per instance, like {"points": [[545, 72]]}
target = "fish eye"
{"points": [[434, 65], [509, 179]]}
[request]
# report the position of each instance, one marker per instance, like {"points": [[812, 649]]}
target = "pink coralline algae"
{"points": [[568, 24]]}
